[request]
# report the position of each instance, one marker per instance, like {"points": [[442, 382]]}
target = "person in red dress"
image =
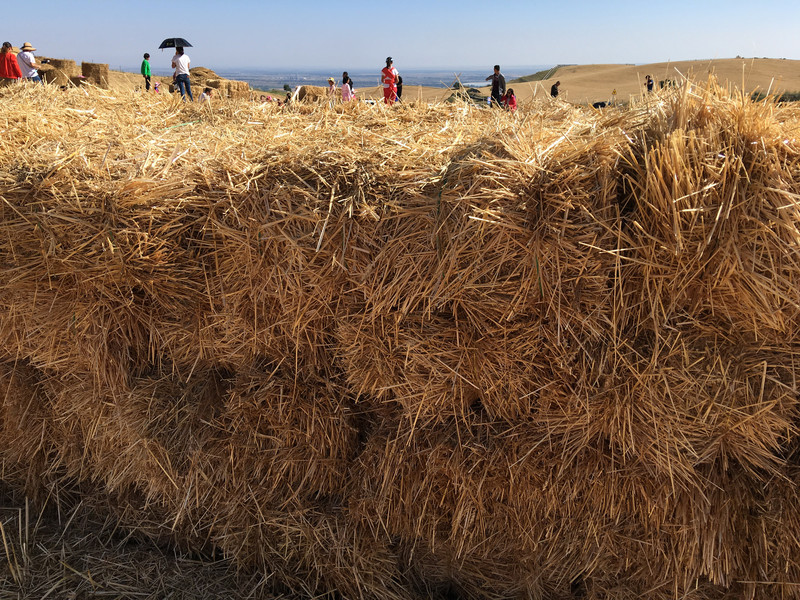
{"points": [[389, 77], [9, 68]]}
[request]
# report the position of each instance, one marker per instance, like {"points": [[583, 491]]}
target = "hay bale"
{"points": [[310, 93], [58, 71], [68, 67], [447, 352], [96, 74]]}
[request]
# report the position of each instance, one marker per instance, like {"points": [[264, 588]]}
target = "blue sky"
{"points": [[292, 34]]}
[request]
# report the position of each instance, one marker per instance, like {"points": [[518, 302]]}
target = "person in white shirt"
{"points": [[206, 95], [180, 62], [27, 63]]}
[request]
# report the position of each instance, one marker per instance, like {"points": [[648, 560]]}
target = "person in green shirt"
{"points": [[146, 71]]}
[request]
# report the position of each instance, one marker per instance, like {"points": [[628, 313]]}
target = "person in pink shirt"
{"points": [[348, 91]]}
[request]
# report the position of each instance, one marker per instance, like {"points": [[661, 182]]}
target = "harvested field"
{"points": [[410, 352]]}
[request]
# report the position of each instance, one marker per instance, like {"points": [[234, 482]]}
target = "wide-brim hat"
{"points": [[26, 47]]}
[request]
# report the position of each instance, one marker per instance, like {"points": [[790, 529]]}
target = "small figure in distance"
{"points": [[157, 87], [554, 89], [389, 77], [509, 100], [206, 95], [498, 86], [9, 68], [648, 81], [27, 63], [348, 90], [331, 91], [181, 63], [288, 98], [146, 71], [263, 98]]}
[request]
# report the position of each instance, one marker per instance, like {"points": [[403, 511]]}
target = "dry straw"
{"points": [[412, 351]]}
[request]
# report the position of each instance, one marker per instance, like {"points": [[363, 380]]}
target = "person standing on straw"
{"points": [[348, 91], [498, 86], [9, 69], [27, 63], [389, 77], [146, 71], [181, 62]]}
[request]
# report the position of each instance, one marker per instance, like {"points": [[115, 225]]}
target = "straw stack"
{"points": [[413, 351], [95, 73]]}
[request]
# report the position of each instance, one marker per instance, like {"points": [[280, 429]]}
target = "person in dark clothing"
{"points": [[498, 86], [346, 79], [554, 89], [648, 81], [399, 87]]}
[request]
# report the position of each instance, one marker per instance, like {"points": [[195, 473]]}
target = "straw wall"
{"points": [[423, 351]]}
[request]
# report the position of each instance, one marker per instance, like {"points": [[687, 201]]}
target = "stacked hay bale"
{"points": [[96, 74], [310, 93], [228, 88], [430, 351], [61, 71]]}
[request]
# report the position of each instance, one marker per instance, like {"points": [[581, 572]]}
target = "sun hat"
{"points": [[331, 80], [26, 47]]}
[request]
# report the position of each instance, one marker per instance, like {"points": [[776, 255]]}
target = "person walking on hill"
{"points": [[27, 63], [498, 86], [389, 77], [146, 71], [181, 63], [9, 68], [554, 89]]}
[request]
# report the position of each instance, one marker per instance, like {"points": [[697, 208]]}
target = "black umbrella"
{"points": [[174, 43]]}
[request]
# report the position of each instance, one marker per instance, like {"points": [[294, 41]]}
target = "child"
{"points": [[206, 95]]}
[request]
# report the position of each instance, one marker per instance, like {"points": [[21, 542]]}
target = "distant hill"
{"points": [[539, 75], [592, 83]]}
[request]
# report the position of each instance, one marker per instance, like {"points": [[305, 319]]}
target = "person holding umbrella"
{"points": [[181, 62]]}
